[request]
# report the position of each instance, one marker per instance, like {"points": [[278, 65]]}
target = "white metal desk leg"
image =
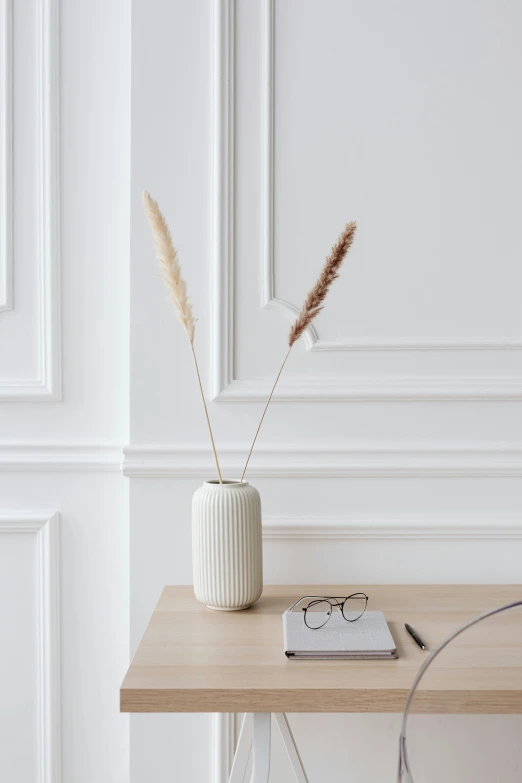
{"points": [[261, 766], [291, 747], [242, 754]]}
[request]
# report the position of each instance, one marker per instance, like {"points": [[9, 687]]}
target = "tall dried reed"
{"points": [[170, 272], [312, 306]]}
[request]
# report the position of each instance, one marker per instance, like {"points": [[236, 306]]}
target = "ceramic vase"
{"points": [[227, 554]]}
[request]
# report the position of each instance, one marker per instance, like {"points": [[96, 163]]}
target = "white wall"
{"points": [[65, 102], [393, 452]]}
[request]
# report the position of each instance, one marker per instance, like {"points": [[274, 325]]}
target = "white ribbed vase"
{"points": [[227, 553]]}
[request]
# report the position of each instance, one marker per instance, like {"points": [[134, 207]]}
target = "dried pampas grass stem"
{"points": [[314, 301], [312, 306], [170, 272]]}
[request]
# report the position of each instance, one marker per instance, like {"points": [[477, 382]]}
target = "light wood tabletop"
{"points": [[194, 659]]}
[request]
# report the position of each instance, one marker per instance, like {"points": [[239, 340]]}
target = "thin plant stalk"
{"points": [[171, 273], [264, 412], [206, 414], [312, 306]]}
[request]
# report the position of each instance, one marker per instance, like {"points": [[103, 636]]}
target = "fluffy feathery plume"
{"points": [[313, 305], [314, 301], [170, 270]]}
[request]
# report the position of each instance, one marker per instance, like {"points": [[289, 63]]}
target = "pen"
{"points": [[415, 636]]}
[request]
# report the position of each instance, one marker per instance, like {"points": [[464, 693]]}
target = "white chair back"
{"points": [[404, 774]]}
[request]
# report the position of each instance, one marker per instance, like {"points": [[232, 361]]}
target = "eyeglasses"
{"points": [[319, 610]]}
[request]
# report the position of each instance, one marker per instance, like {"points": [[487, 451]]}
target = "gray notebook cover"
{"points": [[369, 637]]}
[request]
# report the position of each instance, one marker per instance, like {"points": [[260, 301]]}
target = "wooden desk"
{"points": [[193, 659]]}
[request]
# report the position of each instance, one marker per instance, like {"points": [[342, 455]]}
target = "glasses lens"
{"points": [[354, 607], [317, 614]]}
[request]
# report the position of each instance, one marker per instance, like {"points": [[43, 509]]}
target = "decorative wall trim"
{"points": [[287, 461], [227, 389], [223, 217], [47, 386], [426, 461], [6, 164], [381, 527], [45, 526], [270, 300], [383, 388], [60, 457]]}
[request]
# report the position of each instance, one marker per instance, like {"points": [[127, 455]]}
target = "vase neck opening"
{"points": [[227, 483]]}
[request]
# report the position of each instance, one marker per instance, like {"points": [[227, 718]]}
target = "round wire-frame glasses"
{"points": [[352, 608]]}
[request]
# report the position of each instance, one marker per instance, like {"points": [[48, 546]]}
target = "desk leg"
{"points": [[243, 749], [291, 747], [261, 765], [261, 743]]}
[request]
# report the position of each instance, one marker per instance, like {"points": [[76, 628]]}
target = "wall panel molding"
{"points": [[224, 387], [429, 461], [383, 527], [271, 301], [47, 385], [288, 461], [45, 526], [43, 457], [223, 202], [377, 388], [6, 163]]}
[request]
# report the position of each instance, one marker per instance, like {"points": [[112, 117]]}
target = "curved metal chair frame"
{"points": [[404, 774]]}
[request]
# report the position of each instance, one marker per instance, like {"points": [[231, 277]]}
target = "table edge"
{"points": [[465, 702]]}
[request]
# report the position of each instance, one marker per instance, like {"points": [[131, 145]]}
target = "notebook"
{"points": [[367, 638]]}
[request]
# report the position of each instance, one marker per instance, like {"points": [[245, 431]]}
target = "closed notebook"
{"points": [[367, 638]]}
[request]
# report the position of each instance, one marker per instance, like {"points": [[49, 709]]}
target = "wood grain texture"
{"points": [[192, 659]]}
